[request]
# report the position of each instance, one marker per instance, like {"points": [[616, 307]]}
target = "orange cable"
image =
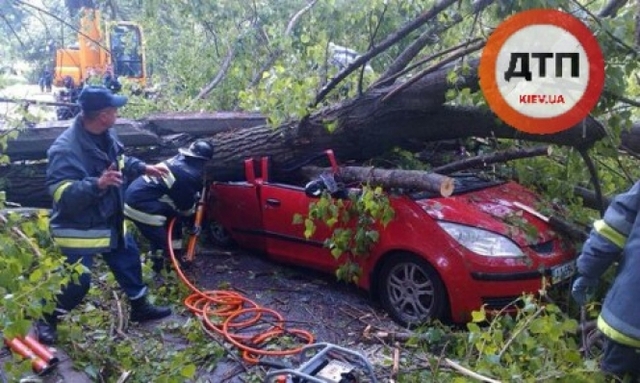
{"points": [[231, 309]]}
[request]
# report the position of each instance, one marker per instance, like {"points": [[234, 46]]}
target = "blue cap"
{"points": [[94, 98]]}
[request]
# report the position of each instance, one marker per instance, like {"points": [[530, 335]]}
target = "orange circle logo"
{"points": [[542, 71]]}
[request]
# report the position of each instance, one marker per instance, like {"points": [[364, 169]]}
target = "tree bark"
{"points": [[367, 131], [389, 178]]}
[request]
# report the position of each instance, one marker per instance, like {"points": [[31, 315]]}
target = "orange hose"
{"points": [[238, 319]]}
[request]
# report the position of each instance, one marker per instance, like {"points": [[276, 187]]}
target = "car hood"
{"points": [[494, 209]]}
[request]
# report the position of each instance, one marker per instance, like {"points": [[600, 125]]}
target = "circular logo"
{"points": [[541, 71]]}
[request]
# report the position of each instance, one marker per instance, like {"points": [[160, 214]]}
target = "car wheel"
{"points": [[411, 290], [218, 235]]}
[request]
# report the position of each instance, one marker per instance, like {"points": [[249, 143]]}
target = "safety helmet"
{"points": [[199, 149]]}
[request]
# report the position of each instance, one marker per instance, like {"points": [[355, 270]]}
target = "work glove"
{"points": [[584, 289], [188, 212]]}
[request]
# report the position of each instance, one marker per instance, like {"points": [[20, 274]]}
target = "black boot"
{"points": [[47, 329], [142, 310], [157, 265]]}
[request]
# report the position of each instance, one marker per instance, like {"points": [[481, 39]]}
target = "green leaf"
{"points": [[35, 276], [478, 316], [188, 371]]}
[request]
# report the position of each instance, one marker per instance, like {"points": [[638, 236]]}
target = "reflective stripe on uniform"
{"points": [[610, 233], [169, 179], [76, 233], [58, 189], [83, 243], [616, 335], [121, 162], [82, 239], [142, 217], [166, 199]]}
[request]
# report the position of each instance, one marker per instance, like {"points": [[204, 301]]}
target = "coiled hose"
{"points": [[239, 319]]}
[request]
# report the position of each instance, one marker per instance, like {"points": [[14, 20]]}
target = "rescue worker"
{"points": [[110, 81], [46, 80], [151, 202], [86, 174], [615, 238], [69, 94]]}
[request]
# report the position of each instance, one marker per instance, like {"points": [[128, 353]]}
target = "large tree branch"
{"points": [[610, 9], [472, 48], [425, 60], [220, 75], [13, 31], [412, 50], [491, 158], [427, 16], [606, 30]]}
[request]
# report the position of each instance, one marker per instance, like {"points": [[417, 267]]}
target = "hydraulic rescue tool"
{"points": [[330, 364], [42, 360]]}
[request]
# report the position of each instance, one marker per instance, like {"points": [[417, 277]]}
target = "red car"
{"points": [[439, 258]]}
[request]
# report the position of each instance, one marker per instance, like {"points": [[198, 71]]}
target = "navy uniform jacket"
{"points": [[86, 219], [616, 238], [150, 200]]}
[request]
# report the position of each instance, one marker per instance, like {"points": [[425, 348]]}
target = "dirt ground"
{"points": [[333, 312]]}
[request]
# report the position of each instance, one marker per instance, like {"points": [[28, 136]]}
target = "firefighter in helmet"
{"points": [[152, 202]]}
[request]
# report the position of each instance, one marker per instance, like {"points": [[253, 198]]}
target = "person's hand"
{"points": [[110, 177], [155, 171], [583, 289]]}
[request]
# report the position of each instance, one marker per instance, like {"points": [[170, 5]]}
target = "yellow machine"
{"points": [[120, 50]]}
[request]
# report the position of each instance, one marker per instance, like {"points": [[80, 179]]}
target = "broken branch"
{"points": [[384, 45], [467, 372], [501, 156], [390, 178], [471, 48]]}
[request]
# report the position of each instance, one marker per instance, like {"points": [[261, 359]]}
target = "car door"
{"points": [[236, 206], [286, 240]]}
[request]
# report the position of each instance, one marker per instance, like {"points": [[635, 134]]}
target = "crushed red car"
{"points": [[439, 258]]}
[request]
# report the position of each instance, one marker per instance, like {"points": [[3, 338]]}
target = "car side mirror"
{"points": [[313, 189]]}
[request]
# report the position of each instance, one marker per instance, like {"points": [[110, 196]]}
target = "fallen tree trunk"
{"points": [[155, 130], [486, 159], [365, 127], [389, 178], [369, 132], [355, 140]]}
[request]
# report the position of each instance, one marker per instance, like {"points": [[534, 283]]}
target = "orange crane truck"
{"points": [[115, 47]]}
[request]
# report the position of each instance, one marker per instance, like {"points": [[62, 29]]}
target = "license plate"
{"points": [[562, 272]]}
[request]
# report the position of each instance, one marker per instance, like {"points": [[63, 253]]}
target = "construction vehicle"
{"points": [[116, 47]]}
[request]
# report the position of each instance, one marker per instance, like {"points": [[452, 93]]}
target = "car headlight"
{"points": [[482, 242]]}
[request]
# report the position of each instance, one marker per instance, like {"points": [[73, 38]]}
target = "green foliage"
{"points": [[279, 73], [31, 274], [171, 351], [536, 343], [354, 225]]}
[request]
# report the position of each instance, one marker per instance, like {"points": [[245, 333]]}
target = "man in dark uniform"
{"points": [[86, 174], [151, 202], [615, 239]]}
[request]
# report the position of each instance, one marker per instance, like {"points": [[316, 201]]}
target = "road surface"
{"points": [[10, 110]]}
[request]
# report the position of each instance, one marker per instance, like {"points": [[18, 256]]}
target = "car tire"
{"points": [[219, 236], [411, 291]]}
